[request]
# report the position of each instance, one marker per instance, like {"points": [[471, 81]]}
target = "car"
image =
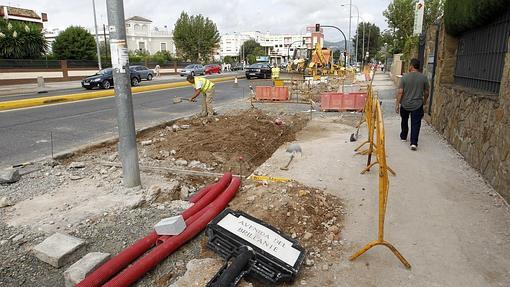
{"points": [[193, 69], [145, 73], [236, 67], [258, 70], [212, 69], [104, 79]]}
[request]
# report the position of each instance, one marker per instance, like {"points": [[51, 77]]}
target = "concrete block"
{"points": [[83, 267], [170, 226], [54, 249], [9, 175]]}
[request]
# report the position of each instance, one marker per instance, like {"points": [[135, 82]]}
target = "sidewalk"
{"points": [[450, 225]]}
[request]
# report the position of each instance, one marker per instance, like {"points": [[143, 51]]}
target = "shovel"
{"points": [[178, 100], [293, 149], [252, 248]]}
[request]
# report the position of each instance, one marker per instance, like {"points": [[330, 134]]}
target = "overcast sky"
{"points": [[276, 16]]}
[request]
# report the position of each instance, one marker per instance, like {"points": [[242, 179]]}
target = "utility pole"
{"points": [[97, 38], [368, 41], [363, 48], [350, 20], [128, 152], [105, 42]]}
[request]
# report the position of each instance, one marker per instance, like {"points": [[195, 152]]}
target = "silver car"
{"points": [[193, 69]]}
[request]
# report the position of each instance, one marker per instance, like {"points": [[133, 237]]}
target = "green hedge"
{"points": [[463, 15]]}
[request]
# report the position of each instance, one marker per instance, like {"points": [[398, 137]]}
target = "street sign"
{"points": [[418, 17], [262, 237]]}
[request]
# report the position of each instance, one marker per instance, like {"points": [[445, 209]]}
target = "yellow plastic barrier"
{"points": [[376, 121]]}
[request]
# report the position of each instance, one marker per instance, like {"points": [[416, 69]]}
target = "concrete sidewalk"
{"points": [[451, 226]]}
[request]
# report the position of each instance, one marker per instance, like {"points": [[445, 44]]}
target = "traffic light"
{"points": [[317, 27], [304, 41]]}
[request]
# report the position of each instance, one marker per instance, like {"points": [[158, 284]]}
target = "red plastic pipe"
{"points": [[131, 253], [135, 271], [197, 196], [209, 196]]}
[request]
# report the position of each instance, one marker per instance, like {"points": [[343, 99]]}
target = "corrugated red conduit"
{"points": [[209, 202]]}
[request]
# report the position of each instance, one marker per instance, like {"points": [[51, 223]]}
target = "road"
{"points": [[53, 90], [27, 133]]}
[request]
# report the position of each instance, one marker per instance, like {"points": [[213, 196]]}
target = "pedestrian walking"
{"points": [[206, 88], [156, 70], [412, 94]]}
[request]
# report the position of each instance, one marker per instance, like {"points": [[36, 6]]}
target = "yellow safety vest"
{"points": [[275, 72], [206, 84]]}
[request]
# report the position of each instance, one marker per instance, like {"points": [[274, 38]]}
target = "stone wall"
{"points": [[476, 123]]}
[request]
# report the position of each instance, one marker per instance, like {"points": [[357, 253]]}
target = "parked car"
{"points": [[259, 70], [104, 79], [236, 67], [212, 69], [193, 69], [145, 73]]}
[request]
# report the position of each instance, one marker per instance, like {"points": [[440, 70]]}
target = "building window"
{"points": [[163, 47], [481, 55], [141, 46]]}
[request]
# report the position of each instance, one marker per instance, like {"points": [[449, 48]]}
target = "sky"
{"points": [[275, 16]]}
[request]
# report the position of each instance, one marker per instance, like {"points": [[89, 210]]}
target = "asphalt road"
{"points": [[26, 134], [66, 91]]}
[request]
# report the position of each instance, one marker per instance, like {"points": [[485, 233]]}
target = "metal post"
{"points": [[97, 38], [350, 20], [368, 40], [357, 36], [123, 99], [105, 42], [363, 49]]}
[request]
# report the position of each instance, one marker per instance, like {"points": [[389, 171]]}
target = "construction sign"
{"points": [[418, 17]]}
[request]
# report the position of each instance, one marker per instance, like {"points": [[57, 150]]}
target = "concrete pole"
{"points": [[363, 48], [97, 38], [357, 36], [349, 39], [128, 152]]}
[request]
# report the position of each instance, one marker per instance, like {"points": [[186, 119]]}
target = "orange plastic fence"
{"points": [[270, 93], [335, 101]]}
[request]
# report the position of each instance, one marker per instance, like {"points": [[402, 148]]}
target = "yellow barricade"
{"points": [[374, 119]]}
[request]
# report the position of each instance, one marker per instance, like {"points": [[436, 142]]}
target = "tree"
{"points": [[251, 50], [75, 43], [228, 60], [400, 18], [195, 37], [21, 40], [372, 40]]}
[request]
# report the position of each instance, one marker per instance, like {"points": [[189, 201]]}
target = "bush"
{"points": [[460, 16], [75, 43], [19, 40]]}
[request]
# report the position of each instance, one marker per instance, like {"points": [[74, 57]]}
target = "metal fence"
{"points": [[481, 55], [29, 64]]}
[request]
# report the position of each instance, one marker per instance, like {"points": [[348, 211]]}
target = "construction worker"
{"points": [[275, 72], [205, 87]]}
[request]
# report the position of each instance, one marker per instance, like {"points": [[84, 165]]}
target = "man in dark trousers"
{"points": [[412, 94]]}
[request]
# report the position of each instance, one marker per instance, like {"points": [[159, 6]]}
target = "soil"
{"points": [[232, 141]]}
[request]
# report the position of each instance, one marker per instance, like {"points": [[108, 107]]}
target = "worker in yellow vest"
{"points": [[206, 88], [275, 72]]}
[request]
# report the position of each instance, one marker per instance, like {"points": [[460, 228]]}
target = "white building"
{"points": [[278, 46], [143, 37]]}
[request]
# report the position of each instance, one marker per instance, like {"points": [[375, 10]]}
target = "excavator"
{"points": [[316, 62]]}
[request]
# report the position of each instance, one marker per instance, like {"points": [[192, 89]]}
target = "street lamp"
{"points": [[97, 38], [288, 49], [357, 25]]}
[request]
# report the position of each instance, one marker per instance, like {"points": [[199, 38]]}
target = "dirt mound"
{"points": [[220, 142], [310, 215]]}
